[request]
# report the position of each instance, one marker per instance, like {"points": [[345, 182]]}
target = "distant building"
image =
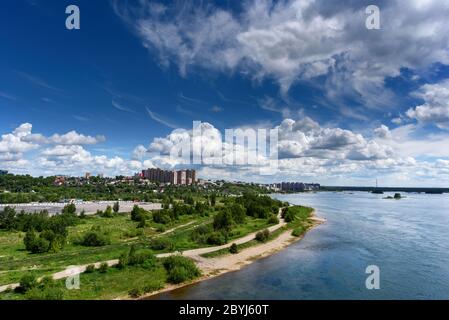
{"points": [[3, 172], [182, 177], [87, 175], [297, 186]]}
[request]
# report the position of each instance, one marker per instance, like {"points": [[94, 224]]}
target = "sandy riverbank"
{"points": [[213, 267]]}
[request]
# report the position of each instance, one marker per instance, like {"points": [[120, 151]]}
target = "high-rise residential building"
{"points": [[181, 177], [87, 175]]}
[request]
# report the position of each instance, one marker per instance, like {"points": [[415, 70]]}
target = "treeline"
{"points": [[44, 233]]}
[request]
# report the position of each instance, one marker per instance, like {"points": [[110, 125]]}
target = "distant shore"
{"points": [[213, 267]]}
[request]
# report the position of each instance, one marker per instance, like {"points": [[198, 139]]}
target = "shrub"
{"points": [[180, 269], [263, 235], [27, 282], [47, 293], [153, 286], [135, 293], [216, 238], [273, 219], [108, 213], [162, 216], [201, 233], [103, 267], [233, 249], [138, 214], [223, 220], [142, 223], [116, 207], [123, 260], [160, 228], [298, 231], [161, 244], [95, 239], [90, 268]]}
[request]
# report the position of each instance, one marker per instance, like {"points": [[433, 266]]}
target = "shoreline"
{"points": [[217, 266]]}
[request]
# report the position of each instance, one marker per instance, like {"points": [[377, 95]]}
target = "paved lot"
{"points": [[90, 207]]}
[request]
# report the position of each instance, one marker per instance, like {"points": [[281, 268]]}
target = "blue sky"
{"points": [[352, 104]]}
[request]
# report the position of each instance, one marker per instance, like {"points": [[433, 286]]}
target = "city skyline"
{"points": [[351, 105]]}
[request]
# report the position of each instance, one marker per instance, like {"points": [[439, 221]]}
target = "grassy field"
{"points": [[15, 261]]}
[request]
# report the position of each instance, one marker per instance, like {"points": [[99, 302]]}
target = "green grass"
{"points": [[15, 260]]}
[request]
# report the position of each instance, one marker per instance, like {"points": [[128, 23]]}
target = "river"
{"points": [[407, 239]]}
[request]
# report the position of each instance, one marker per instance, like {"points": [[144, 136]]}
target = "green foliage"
{"points": [[201, 233], [161, 244], [233, 249], [273, 219], [213, 199], [107, 213], [90, 268], [27, 282], [69, 209], [217, 238], [180, 269], [46, 293], [135, 293], [298, 231], [103, 267], [162, 216], [296, 212], [263, 235], [95, 238], [223, 220]]}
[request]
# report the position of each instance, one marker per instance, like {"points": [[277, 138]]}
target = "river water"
{"points": [[407, 239]]}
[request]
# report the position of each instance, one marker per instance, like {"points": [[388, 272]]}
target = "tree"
{"points": [[116, 207], [69, 208], [108, 212], [7, 218], [213, 199], [223, 220], [233, 249], [29, 239]]}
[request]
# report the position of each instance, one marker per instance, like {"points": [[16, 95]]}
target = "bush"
{"points": [[108, 213], [103, 267], [262, 236], [161, 228], [27, 282], [180, 269], [161, 244], [95, 239], [90, 268], [47, 293], [162, 216], [201, 233], [297, 232], [135, 293], [138, 214], [153, 286], [233, 249], [216, 238], [273, 219], [116, 207], [223, 220], [142, 223]]}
